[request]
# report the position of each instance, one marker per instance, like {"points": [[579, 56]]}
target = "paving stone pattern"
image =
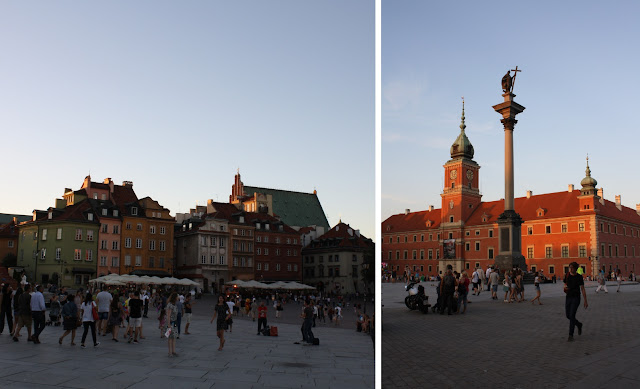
{"points": [[345, 358], [517, 345]]}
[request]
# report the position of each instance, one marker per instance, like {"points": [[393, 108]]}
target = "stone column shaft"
{"points": [[508, 169]]}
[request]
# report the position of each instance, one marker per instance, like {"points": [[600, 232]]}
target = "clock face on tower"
{"points": [[453, 174], [470, 174]]}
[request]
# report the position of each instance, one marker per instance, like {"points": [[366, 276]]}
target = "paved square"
{"points": [[344, 358], [517, 345]]}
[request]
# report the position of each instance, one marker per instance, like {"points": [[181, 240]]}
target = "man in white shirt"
{"points": [[104, 300], [486, 276], [37, 312]]}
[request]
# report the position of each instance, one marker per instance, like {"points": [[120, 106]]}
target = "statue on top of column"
{"points": [[508, 81]]}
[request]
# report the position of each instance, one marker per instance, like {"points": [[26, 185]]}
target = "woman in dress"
{"points": [[223, 313], [87, 320], [172, 332], [115, 317]]}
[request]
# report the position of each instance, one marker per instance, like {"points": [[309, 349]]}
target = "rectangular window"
{"points": [[138, 260], [105, 228], [139, 226], [104, 212], [414, 254], [565, 251], [134, 211], [152, 262], [221, 260], [397, 254], [103, 245], [152, 245], [152, 229], [421, 254], [389, 255], [58, 254], [116, 229], [259, 266], [490, 233], [406, 254], [467, 246], [128, 226], [213, 241], [127, 243], [44, 234], [580, 227], [547, 229], [138, 243], [548, 252], [10, 244], [162, 245], [114, 245], [115, 261], [59, 234], [430, 254], [259, 251], [203, 259], [582, 251], [89, 236], [552, 269], [235, 261], [88, 255], [477, 246], [127, 260], [529, 230], [212, 259], [161, 262], [602, 250], [103, 260], [530, 252], [438, 254], [77, 254], [78, 234], [163, 230], [43, 254], [490, 255], [266, 252], [563, 228]]}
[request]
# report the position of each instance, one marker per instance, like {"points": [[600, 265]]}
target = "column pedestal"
{"points": [[509, 250]]}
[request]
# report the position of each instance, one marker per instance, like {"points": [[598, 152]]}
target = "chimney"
{"points": [[430, 208], [638, 208], [570, 188], [15, 220], [529, 193], [619, 202], [601, 195], [127, 183], [406, 211]]}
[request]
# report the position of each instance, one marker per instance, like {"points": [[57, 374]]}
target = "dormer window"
{"points": [[50, 215], [266, 226], [134, 211], [104, 212], [115, 212], [257, 226], [241, 219], [90, 217]]}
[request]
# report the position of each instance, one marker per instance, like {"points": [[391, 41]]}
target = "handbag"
{"points": [[94, 312]]}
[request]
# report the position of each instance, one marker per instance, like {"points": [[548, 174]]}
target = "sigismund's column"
{"points": [[509, 222]]}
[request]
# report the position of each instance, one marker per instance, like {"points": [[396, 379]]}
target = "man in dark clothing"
{"points": [[573, 285], [5, 308], [307, 334], [135, 315], [24, 313], [447, 289]]}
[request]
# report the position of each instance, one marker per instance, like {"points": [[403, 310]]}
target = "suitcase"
{"points": [[316, 342], [266, 331], [273, 331]]}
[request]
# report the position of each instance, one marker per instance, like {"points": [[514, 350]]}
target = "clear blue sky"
{"points": [[579, 84], [175, 96]]}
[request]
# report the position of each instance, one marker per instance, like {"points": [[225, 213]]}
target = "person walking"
{"points": [[179, 313], [447, 289], [24, 313], [536, 285], [602, 282], [135, 317], [573, 285], [475, 279], [619, 279], [463, 291], [38, 310], [494, 278], [172, 314], [88, 321], [506, 286], [231, 306], [5, 308], [223, 314], [187, 313], [69, 322]]}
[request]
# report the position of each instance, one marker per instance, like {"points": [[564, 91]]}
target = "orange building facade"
{"points": [[558, 228]]}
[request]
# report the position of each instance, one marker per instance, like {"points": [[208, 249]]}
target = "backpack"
{"points": [[449, 283]]}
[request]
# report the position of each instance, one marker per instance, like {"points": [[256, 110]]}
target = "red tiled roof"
{"points": [[556, 205], [340, 234]]}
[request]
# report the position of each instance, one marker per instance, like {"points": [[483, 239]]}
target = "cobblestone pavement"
{"points": [[518, 345], [344, 358]]}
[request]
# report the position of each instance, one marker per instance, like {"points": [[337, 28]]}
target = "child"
{"points": [[162, 321]]}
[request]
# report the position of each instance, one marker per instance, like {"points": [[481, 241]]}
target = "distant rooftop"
{"points": [[6, 218]]}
